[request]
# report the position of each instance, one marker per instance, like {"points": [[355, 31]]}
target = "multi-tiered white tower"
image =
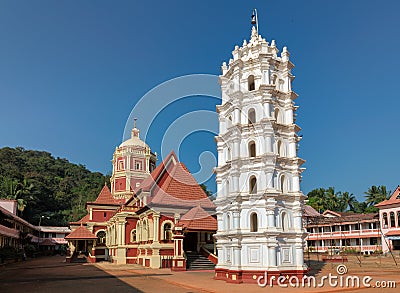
{"points": [[259, 202]]}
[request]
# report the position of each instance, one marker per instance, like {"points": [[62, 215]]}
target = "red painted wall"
{"points": [[101, 216], [129, 226], [120, 184]]}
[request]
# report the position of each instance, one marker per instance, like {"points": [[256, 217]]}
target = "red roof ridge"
{"points": [[198, 219], [393, 199], [105, 197], [81, 233]]}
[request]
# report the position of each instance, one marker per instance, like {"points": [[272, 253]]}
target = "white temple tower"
{"points": [[259, 202]]}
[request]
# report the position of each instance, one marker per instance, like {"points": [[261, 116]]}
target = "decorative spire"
{"points": [[135, 131], [254, 20], [254, 34]]}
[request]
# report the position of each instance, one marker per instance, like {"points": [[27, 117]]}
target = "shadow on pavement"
{"points": [[49, 275]]}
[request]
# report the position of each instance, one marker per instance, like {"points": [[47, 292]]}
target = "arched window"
{"points": [[251, 116], [384, 220], [250, 82], [167, 231], [283, 183], [101, 237], [253, 185], [392, 220], [398, 219], [253, 222], [285, 222], [277, 115], [227, 187], [228, 154], [279, 148], [145, 233], [133, 235], [138, 232], [274, 77], [228, 222], [252, 149]]}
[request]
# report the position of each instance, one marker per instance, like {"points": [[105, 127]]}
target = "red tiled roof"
{"points": [[394, 199], [172, 184], [348, 218], [198, 219], [309, 211], [393, 233], [148, 183], [81, 233], [85, 219], [9, 232], [47, 242], [105, 197], [59, 241]]}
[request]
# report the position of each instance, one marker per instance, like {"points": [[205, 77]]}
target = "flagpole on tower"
{"points": [[254, 18]]}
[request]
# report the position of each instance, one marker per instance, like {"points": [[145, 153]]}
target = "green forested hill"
{"points": [[47, 186]]}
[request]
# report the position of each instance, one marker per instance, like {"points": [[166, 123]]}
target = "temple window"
{"points": [[392, 220], [253, 185], [251, 116], [101, 237], [250, 82], [384, 220], [252, 149], [167, 231], [253, 222]]}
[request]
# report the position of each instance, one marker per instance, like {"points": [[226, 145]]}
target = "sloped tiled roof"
{"points": [[309, 211], [177, 187], [394, 199], [9, 232], [81, 233], [198, 219], [47, 242], [105, 197], [171, 184], [346, 218], [393, 233], [85, 219]]}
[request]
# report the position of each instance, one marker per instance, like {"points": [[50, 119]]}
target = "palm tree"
{"points": [[376, 194], [19, 191], [315, 199], [347, 200], [330, 199]]}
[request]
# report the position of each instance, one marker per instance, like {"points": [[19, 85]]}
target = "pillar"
{"points": [[178, 261], [156, 228]]}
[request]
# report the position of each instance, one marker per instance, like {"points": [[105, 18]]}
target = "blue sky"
{"points": [[71, 72]]}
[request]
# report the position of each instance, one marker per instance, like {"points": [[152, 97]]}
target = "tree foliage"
{"points": [[322, 199], [47, 186]]}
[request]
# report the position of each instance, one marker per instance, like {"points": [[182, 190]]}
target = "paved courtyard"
{"points": [[52, 274]]}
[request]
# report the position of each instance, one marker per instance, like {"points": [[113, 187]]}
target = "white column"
{"points": [[236, 150], [271, 218], [236, 219], [299, 254], [272, 255], [156, 227], [236, 116], [295, 183], [236, 256]]}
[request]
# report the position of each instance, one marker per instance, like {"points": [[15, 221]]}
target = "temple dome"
{"points": [[134, 140]]}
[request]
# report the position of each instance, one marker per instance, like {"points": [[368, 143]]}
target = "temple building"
{"points": [[259, 202], [132, 162], [154, 216]]}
